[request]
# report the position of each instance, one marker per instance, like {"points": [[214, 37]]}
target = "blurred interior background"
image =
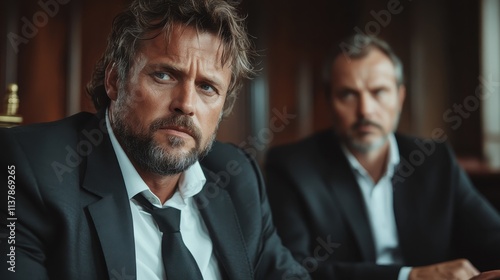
{"points": [[450, 50]]}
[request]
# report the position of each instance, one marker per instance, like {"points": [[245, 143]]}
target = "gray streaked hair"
{"points": [[358, 46]]}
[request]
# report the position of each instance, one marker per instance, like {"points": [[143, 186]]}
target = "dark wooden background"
{"points": [[438, 42]]}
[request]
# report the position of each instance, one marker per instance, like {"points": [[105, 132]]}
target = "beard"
{"points": [[353, 141], [150, 156]]}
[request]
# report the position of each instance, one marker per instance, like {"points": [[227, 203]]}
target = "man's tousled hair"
{"points": [[146, 17], [358, 46]]}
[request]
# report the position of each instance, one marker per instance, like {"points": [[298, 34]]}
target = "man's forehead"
{"points": [[374, 63], [183, 41]]}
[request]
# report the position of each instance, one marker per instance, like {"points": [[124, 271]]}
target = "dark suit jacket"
{"points": [[73, 213], [320, 215]]}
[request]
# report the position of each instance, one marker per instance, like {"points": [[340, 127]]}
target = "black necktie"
{"points": [[178, 262]]}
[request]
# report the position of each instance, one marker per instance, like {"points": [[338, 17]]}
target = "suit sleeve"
{"points": [[288, 209], [477, 222], [276, 261], [22, 252]]}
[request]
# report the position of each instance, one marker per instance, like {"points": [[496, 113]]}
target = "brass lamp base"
{"points": [[10, 121]]}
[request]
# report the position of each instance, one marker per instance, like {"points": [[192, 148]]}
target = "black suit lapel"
{"points": [[406, 205], [218, 213], [348, 196], [345, 191], [111, 212], [406, 220]]}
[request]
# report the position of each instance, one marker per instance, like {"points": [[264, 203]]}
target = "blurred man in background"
{"points": [[360, 201]]}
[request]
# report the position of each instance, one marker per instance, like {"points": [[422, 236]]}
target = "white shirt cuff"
{"points": [[404, 273]]}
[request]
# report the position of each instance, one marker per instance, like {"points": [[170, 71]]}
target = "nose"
{"points": [[366, 106], [183, 100]]}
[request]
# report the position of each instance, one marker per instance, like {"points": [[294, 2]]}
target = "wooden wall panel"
{"points": [[293, 38], [3, 44], [97, 17], [464, 74], [42, 63], [43, 58], [298, 38], [236, 128]]}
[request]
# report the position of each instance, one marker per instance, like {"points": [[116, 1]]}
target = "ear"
{"points": [[401, 96], [111, 81]]}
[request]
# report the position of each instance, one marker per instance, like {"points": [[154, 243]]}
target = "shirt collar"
{"points": [[190, 183], [391, 164]]}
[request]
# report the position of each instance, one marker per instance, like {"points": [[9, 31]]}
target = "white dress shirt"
{"points": [[147, 235], [378, 198]]}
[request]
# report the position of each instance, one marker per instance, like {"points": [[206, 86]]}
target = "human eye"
{"points": [[208, 89], [346, 95], [162, 76], [385, 95], [380, 91]]}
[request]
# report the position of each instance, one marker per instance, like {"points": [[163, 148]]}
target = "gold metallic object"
{"points": [[9, 116]]}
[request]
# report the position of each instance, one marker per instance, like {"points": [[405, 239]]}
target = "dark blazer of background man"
{"points": [[171, 70], [442, 227]]}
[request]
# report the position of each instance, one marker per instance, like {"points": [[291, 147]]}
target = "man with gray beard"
{"points": [[360, 201], [140, 190]]}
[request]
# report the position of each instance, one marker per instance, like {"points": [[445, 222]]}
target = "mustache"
{"points": [[363, 122], [179, 121]]}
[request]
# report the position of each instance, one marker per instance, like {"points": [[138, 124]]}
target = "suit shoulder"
{"points": [[304, 148], [223, 154], [234, 170], [427, 158], [44, 129], [409, 145], [44, 142]]}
